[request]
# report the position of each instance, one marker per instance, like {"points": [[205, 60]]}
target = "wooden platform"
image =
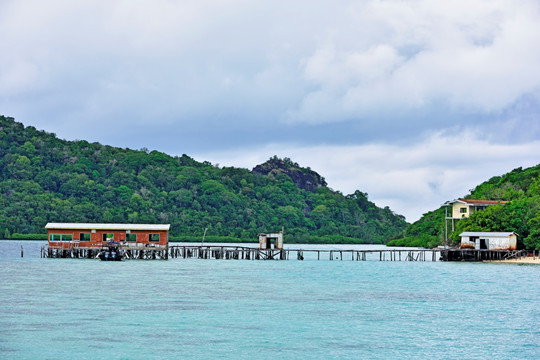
{"points": [[480, 255], [243, 253], [252, 253], [130, 252]]}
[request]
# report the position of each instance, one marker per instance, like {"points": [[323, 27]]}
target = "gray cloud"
{"points": [[174, 61]]}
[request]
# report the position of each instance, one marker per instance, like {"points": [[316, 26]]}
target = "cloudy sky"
{"points": [[414, 102]]}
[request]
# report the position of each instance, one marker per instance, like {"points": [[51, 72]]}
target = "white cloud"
{"points": [[335, 62], [410, 179], [470, 56], [18, 78]]}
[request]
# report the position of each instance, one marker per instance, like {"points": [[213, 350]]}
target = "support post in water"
{"points": [[22, 251]]}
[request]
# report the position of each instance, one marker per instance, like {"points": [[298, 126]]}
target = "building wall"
{"points": [[509, 243], [456, 210], [96, 239], [467, 243], [492, 242]]}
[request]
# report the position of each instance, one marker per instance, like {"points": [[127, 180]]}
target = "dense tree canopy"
{"points": [[46, 179], [521, 187]]}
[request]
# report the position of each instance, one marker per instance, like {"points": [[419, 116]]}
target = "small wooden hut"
{"points": [[271, 240]]}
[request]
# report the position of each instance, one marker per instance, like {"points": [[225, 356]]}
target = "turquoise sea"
{"points": [[245, 309]]}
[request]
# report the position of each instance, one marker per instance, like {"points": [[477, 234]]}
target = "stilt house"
{"points": [[489, 240], [69, 235], [463, 208]]}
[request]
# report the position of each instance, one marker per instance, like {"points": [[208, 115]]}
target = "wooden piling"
{"points": [[252, 253]]}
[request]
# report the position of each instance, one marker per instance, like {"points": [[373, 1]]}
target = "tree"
{"points": [[43, 178]]}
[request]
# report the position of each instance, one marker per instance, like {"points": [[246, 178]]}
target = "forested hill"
{"points": [[521, 187], [46, 179]]}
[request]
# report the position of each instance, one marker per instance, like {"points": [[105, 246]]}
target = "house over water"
{"points": [[488, 240], [87, 235]]}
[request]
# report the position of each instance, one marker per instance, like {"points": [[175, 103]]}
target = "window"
{"points": [[131, 237], [153, 237], [60, 237], [463, 210], [108, 237], [84, 236]]}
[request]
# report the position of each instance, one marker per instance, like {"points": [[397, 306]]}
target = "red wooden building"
{"points": [[68, 235]]}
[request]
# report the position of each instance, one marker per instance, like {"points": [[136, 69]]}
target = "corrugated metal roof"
{"points": [[483, 202], [487, 234], [90, 226], [477, 202]]}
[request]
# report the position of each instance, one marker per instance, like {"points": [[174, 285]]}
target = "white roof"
{"points": [[90, 226], [487, 234]]}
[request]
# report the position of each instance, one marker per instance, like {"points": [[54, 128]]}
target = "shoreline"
{"points": [[521, 260]]}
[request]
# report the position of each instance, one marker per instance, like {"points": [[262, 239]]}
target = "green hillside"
{"points": [[521, 187], [46, 179]]}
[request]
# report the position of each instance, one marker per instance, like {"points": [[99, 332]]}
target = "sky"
{"points": [[414, 102]]}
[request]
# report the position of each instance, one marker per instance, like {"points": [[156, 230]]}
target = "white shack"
{"points": [[489, 240], [271, 241]]}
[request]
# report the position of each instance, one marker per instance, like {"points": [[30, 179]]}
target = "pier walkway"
{"points": [[232, 252], [252, 253], [229, 252]]}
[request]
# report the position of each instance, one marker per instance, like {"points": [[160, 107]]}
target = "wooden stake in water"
{"points": [[204, 235]]}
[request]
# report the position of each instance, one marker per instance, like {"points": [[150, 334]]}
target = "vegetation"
{"points": [[46, 179], [427, 232], [521, 187]]}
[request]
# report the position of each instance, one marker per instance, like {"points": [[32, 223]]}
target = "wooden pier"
{"points": [[228, 252], [130, 252], [251, 253], [243, 253], [481, 255]]}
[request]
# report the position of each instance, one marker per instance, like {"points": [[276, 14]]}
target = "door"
{"points": [[483, 244]]}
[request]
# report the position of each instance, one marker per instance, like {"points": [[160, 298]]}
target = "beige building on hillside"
{"points": [[463, 208]]}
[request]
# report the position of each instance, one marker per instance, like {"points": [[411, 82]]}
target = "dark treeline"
{"points": [[521, 187], [46, 179]]}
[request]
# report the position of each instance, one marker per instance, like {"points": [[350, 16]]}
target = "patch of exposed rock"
{"points": [[304, 178]]}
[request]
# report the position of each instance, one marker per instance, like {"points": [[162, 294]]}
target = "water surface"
{"points": [[242, 309]]}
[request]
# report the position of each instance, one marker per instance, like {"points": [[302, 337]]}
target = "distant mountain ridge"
{"points": [[46, 179]]}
